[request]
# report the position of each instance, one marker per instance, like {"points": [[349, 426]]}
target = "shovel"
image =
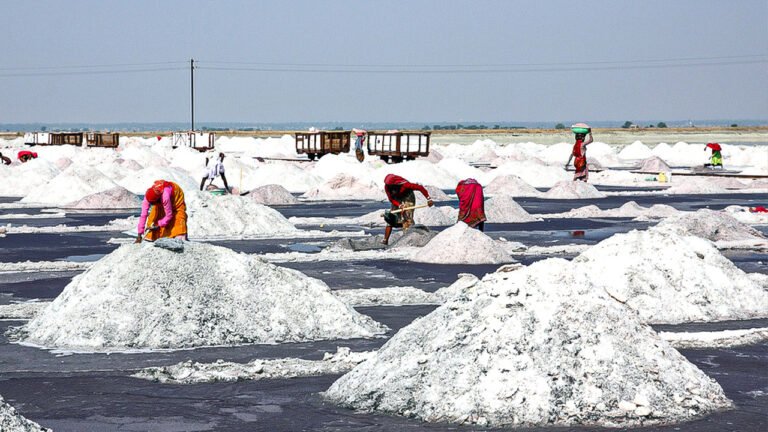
{"points": [[389, 215]]}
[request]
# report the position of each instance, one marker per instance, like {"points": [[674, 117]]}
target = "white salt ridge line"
{"points": [[742, 244], [297, 220], [389, 296], [192, 372], [552, 250], [20, 205], [342, 255], [30, 216], [43, 266], [21, 311], [716, 339], [299, 234], [61, 228]]}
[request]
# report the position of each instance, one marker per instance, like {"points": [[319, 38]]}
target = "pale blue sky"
{"points": [[411, 35]]}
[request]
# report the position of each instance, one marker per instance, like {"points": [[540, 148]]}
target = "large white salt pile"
{"points": [[532, 171], [712, 225], [537, 346], [630, 209], [228, 216], [654, 164], [12, 421], [636, 150], [671, 278], [573, 190], [435, 216], [511, 185], [72, 184], [695, 185], [20, 180], [272, 195], [434, 192], [116, 198], [504, 209], [141, 296], [461, 244], [345, 187]]}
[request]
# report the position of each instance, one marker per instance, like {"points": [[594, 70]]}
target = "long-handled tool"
{"points": [[389, 215]]}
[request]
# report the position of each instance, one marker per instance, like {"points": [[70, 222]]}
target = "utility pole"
{"points": [[192, 90]]}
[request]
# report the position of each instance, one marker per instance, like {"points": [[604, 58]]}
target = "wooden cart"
{"points": [[54, 138], [317, 144], [101, 139], [398, 146], [200, 141]]}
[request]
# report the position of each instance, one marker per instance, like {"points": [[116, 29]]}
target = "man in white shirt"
{"points": [[213, 169]]}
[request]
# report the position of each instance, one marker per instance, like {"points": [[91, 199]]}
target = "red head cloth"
{"points": [[24, 153], [155, 192], [714, 146], [34, 155]]}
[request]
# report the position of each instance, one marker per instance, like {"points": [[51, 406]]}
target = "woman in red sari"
{"points": [[471, 203], [579, 155]]}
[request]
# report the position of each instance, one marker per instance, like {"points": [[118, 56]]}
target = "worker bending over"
{"points": [[168, 214], [213, 169], [26, 155], [471, 203], [400, 194]]}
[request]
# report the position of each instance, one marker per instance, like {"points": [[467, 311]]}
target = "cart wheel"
{"points": [[384, 158], [397, 159], [311, 156], [410, 158]]}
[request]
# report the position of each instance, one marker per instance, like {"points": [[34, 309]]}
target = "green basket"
{"points": [[580, 130], [218, 192]]}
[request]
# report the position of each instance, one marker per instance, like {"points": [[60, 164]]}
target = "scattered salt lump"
{"points": [[435, 216], [272, 195], [227, 216], [511, 185], [712, 225], [345, 187], [534, 347], [672, 278], [72, 184], [503, 209], [140, 296], [116, 198], [573, 190], [654, 164], [461, 244], [12, 421]]}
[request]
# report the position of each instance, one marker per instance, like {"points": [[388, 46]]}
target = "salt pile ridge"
{"points": [[537, 346], [116, 198], [345, 187], [671, 278], [717, 226], [74, 183], [141, 296], [228, 216], [654, 164], [12, 421], [511, 185], [435, 216], [461, 244], [695, 185], [503, 209], [628, 209], [573, 190], [273, 195]]}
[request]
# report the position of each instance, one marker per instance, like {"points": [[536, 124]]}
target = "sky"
{"points": [[378, 61]]}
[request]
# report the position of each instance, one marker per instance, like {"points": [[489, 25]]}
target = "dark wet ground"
{"points": [[94, 392]]}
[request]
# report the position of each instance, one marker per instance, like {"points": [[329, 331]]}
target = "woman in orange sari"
{"points": [[168, 214]]}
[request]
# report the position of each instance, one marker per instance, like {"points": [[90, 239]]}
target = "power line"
{"points": [[95, 72], [113, 65]]}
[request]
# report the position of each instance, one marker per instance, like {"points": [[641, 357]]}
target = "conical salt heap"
{"points": [[12, 421], [538, 346], [141, 296], [461, 244]]}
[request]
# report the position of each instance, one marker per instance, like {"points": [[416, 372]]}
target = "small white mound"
{"points": [[672, 278], [343, 360], [116, 198], [744, 215], [12, 421], [390, 296], [504, 209], [230, 216], [511, 185], [141, 296], [630, 209], [717, 226], [21, 311], [536, 346], [461, 244], [345, 187], [74, 183], [573, 190], [654, 164], [434, 216], [695, 185], [716, 339], [636, 150], [272, 195]]}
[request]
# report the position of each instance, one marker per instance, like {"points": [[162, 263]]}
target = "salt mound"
{"points": [[461, 244], [116, 198], [435, 193], [636, 150], [511, 185], [671, 278], [654, 164], [228, 216], [344, 187], [435, 216], [140, 296], [573, 190], [11, 421], [695, 185], [536, 346], [273, 195], [503, 209], [712, 225], [72, 184], [630, 209], [20, 180]]}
